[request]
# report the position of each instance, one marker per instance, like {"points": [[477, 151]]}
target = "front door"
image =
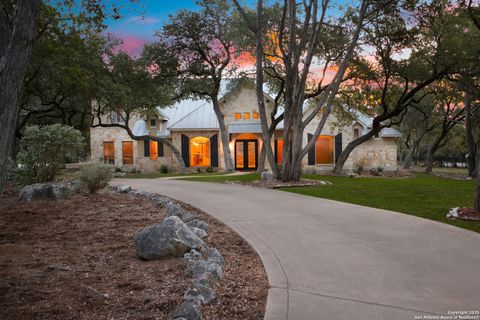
{"points": [[246, 154]]}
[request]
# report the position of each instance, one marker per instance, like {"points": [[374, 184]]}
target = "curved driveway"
{"points": [[332, 260]]}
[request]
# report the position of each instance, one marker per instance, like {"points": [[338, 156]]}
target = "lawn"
{"points": [[423, 196]]}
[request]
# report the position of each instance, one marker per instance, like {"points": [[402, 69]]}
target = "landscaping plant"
{"points": [[96, 176], [43, 153]]}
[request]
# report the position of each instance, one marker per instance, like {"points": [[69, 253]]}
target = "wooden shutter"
{"points": [[186, 150], [338, 146], [311, 152], [214, 151], [160, 149], [276, 150], [146, 148]]}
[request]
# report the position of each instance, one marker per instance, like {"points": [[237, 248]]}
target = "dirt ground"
{"points": [[75, 259]]}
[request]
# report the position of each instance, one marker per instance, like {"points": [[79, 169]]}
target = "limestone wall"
{"points": [[377, 152]]}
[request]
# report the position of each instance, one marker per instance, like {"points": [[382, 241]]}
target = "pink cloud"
{"points": [[132, 45]]}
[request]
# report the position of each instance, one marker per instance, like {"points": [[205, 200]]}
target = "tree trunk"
{"points": [[16, 46], [409, 158], [471, 145], [227, 155], [476, 203], [261, 159]]}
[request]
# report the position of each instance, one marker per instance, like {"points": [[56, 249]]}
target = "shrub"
{"points": [[199, 170], [44, 151], [96, 176], [358, 170], [380, 169], [163, 168], [209, 170]]}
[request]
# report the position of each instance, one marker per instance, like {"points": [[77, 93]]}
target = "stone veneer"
{"points": [[376, 152]]}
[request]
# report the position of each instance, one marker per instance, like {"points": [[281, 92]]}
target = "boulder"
{"points": [[172, 237], [124, 189], [199, 232], [174, 209], [199, 267], [267, 176], [188, 310], [200, 292], [197, 223], [44, 191], [161, 201]]}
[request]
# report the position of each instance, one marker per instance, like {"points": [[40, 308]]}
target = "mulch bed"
{"points": [[468, 214], [75, 259]]}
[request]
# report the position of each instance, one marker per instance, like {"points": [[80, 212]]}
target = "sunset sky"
{"points": [[139, 23]]}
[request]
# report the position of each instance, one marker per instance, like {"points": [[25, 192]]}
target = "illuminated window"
{"points": [[256, 115], [279, 150], [127, 152], [324, 150], [238, 116], [246, 115], [153, 150], [108, 152], [199, 152]]}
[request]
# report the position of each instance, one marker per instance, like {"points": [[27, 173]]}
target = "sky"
{"points": [[140, 22]]}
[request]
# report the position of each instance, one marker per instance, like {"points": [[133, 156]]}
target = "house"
{"points": [[192, 127]]}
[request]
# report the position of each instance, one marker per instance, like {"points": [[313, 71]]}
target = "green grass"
{"points": [[424, 196], [155, 175]]}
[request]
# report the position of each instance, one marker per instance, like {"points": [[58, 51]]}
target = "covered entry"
{"points": [[246, 154]]}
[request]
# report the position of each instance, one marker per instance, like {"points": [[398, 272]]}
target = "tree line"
{"points": [[408, 64]]}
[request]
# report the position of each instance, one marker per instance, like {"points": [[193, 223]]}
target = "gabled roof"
{"points": [[367, 121]]}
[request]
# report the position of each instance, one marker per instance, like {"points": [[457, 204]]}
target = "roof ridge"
{"points": [[188, 114]]}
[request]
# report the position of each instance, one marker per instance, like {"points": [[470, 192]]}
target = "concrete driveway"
{"points": [[332, 260]]}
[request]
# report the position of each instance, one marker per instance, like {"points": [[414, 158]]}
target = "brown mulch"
{"points": [[75, 259], [468, 214]]}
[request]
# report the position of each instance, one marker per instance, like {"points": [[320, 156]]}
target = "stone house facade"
{"points": [[192, 127]]}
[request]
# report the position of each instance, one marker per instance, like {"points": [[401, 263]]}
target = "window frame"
{"points": [[206, 153], [331, 145], [238, 116], [246, 116], [256, 115], [123, 152], [153, 155], [109, 160]]}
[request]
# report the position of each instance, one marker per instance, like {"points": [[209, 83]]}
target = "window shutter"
{"points": [[146, 148], [338, 146], [311, 152], [186, 150], [160, 149], [276, 150], [214, 151]]}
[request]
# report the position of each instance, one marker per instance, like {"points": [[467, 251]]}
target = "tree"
{"points": [[203, 43], [287, 45], [416, 124], [136, 87], [19, 28], [58, 86], [396, 80], [450, 111]]}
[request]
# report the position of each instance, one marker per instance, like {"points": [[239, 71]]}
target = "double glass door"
{"points": [[246, 154]]}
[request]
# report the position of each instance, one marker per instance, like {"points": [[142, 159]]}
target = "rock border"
{"points": [[205, 265]]}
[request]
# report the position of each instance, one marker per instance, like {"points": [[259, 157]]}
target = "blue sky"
{"points": [[140, 21]]}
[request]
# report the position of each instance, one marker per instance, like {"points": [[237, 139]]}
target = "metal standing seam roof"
{"points": [[191, 114]]}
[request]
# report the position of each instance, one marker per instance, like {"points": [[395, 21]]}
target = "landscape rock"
{"points": [[452, 213], [199, 232], [188, 216], [124, 189], [161, 201], [174, 209], [267, 176], [188, 310], [119, 174], [172, 237], [197, 223], [44, 191], [200, 292], [199, 267]]}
